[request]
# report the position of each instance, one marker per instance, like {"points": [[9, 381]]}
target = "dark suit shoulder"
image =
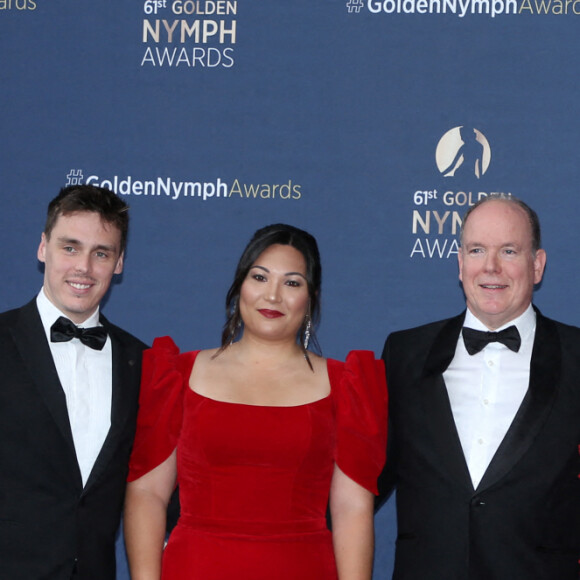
{"points": [[25, 316], [564, 329], [565, 335], [123, 336], [429, 329], [420, 337], [9, 317]]}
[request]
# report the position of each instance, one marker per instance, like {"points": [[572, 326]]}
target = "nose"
{"points": [[83, 263], [273, 292], [492, 262]]}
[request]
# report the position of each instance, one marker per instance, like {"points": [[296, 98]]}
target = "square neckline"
{"points": [[187, 377], [220, 402]]}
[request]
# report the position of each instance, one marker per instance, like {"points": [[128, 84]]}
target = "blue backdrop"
{"points": [[372, 124]]}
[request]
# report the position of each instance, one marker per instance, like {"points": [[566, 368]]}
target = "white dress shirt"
{"points": [[486, 390], [86, 378]]}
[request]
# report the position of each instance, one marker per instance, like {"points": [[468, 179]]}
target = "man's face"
{"points": [[80, 258], [496, 264]]}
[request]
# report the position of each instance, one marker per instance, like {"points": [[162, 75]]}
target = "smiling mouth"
{"points": [[493, 286], [79, 286]]}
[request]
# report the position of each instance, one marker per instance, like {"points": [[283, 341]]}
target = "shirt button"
{"points": [[489, 363], [480, 441], [486, 401]]}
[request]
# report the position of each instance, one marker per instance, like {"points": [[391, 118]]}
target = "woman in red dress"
{"points": [[261, 435]]}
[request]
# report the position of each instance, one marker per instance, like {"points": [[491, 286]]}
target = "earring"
{"points": [[307, 333]]}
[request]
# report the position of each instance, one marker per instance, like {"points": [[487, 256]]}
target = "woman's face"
{"points": [[274, 296]]}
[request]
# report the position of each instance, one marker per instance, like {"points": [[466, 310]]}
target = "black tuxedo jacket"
{"points": [[51, 528], [523, 520]]}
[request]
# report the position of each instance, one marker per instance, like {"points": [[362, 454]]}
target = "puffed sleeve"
{"points": [[360, 394], [160, 407]]}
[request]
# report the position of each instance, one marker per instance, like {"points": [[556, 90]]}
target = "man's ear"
{"points": [[539, 265], [119, 267], [41, 253]]}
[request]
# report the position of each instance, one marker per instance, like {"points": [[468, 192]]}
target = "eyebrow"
{"points": [[76, 242], [286, 274], [476, 243]]}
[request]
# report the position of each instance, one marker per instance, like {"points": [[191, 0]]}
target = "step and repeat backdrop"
{"points": [[373, 124]]}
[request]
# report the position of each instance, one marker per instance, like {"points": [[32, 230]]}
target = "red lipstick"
{"points": [[270, 313]]}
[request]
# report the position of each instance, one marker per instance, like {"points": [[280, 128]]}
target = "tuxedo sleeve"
{"points": [[386, 481]]}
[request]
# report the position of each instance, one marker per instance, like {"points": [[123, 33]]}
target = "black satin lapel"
{"points": [[122, 400], [30, 340], [437, 408], [443, 347], [544, 383]]}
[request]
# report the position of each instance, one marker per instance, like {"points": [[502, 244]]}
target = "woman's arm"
{"points": [[145, 519], [351, 510]]}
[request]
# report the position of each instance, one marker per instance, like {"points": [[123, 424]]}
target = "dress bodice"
{"points": [[242, 466], [248, 466]]}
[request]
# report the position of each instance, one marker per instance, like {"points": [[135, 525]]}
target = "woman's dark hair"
{"points": [[284, 235]]}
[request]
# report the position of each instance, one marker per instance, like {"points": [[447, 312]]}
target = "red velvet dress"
{"points": [[254, 480]]}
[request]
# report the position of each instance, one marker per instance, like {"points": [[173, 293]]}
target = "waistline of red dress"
{"points": [[254, 527]]}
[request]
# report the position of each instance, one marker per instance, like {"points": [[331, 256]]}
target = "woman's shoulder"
{"points": [[166, 346], [357, 373], [355, 359], [360, 396], [207, 354], [165, 356]]}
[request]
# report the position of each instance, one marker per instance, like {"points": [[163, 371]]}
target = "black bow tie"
{"points": [[476, 340], [64, 330]]}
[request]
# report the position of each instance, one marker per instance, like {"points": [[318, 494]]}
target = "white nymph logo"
{"points": [[463, 151]]}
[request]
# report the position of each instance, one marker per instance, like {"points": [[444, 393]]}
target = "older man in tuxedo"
{"points": [[68, 400], [485, 420]]}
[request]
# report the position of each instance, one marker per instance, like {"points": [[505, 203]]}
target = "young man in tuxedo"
{"points": [[485, 420], [68, 400]]}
